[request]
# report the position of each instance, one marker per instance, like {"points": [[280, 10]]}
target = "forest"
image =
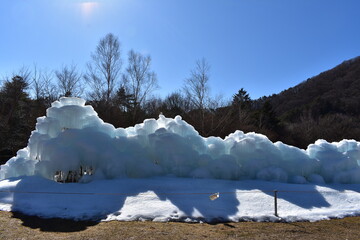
{"points": [[325, 106]]}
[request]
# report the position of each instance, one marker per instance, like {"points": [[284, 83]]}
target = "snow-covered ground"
{"points": [[163, 170], [178, 199]]}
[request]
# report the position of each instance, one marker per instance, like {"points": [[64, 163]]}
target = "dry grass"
{"points": [[18, 226]]}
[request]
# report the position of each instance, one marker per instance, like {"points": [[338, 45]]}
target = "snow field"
{"points": [[163, 170], [178, 199]]}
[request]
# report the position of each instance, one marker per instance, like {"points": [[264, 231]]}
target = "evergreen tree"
{"points": [[267, 117], [241, 99], [15, 113], [241, 103]]}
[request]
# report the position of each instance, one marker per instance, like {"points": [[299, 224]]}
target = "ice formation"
{"points": [[72, 142]]}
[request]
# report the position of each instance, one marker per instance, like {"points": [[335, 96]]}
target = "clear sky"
{"points": [[264, 46]]}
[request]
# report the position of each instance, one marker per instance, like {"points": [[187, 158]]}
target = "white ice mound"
{"points": [[72, 143]]}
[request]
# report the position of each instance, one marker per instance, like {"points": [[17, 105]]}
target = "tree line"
{"points": [[125, 98]]}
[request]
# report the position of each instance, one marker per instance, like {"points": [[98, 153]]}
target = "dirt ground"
{"points": [[18, 226]]}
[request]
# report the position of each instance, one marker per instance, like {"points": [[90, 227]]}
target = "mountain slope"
{"points": [[325, 106], [333, 91]]}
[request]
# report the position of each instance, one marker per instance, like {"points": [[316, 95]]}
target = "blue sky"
{"points": [[264, 46]]}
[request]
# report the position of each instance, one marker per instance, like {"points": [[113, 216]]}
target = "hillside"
{"points": [[333, 91], [325, 106]]}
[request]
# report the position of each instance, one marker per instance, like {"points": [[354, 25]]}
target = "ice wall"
{"points": [[73, 137]]}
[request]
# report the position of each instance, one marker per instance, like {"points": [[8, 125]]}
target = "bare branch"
{"points": [[139, 79], [69, 81], [103, 71]]}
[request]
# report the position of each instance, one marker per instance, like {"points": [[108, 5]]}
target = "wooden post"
{"points": [[275, 203]]}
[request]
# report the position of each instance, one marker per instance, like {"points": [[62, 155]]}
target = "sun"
{"points": [[87, 8]]}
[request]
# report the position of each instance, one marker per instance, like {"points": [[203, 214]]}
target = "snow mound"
{"points": [[72, 143]]}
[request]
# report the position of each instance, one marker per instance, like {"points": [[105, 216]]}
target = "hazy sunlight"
{"points": [[87, 8]]}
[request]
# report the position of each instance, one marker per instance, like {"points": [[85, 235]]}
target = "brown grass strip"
{"points": [[19, 226]]}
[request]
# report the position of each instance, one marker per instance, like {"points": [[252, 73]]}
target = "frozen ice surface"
{"points": [[71, 137], [163, 170]]}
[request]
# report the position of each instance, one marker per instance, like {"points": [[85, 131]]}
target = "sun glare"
{"points": [[87, 8]]}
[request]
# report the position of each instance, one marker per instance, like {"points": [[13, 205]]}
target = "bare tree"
{"points": [[174, 101], [139, 79], [36, 84], [153, 106], [24, 73], [197, 85], [219, 116], [42, 86], [50, 90], [176, 104], [69, 81], [104, 69], [197, 89]]}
